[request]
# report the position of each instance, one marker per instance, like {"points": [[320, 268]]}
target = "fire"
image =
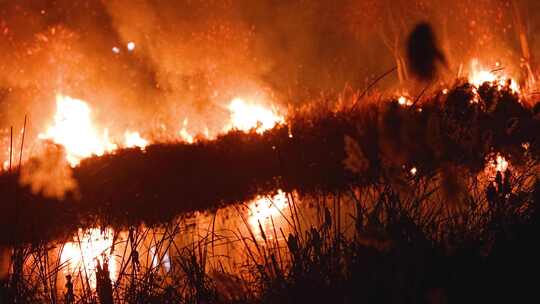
{"points": [[134, 139], [82, 255], [74, 130], [478, 76], [495, 163], [184, 134], [502, 164], [404, 101], [245, 116]]}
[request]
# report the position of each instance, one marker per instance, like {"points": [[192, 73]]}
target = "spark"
{"points": [[131, 46]]}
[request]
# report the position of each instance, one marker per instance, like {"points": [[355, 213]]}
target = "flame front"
{"points": [[245, 116], [74, 130], [478, 76], [134, 139]]}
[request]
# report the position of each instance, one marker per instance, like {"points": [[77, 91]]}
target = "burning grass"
{"points": [[448, 132]]}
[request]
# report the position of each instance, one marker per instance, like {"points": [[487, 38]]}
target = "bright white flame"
{"points": [[478, 76], [184, 134], [73, 129], [134, 139], [404, 101], [502, 164], [245, 116], [131, 46], [83, 256], [116, 50], [413, 170]]}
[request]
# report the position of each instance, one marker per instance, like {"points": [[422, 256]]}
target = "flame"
{"points": [[184, 134], [73, 128], [502, 164], [91, 246], [479, 75], [134, 139], [495, 163], [245, 116], [404, 101]]}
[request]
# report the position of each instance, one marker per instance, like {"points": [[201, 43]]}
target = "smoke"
{"points": [[190, 58], [49, 174]]}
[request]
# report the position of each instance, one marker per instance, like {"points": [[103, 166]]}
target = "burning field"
{"points": [[318, 149], [242, 152]]}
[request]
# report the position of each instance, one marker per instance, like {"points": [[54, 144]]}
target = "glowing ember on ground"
{"points": [[82, 254], [479, 75], [73, 128], [246, 116], [134, 139], [404, 101]]}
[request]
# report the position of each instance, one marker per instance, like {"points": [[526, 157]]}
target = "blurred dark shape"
{"points": [[69, 297], [491, 194], [104, 283], [423, 52], [499, 181]]}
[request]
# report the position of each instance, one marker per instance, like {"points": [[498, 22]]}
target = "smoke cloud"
{"points": [[188, 59]]}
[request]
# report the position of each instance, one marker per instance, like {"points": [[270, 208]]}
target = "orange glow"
{"points": [[247, 116], [73, 128], [479, 75], [94, 246], [263, 208]]}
